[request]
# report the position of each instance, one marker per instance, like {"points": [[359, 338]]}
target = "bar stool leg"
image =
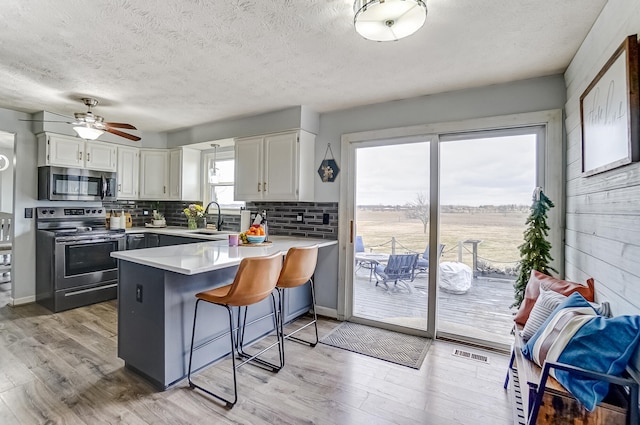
{"points": [[313, 322], [254, 357], [228, 404]]}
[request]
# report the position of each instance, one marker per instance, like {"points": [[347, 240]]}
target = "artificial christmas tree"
{"points": [[535, 251]]}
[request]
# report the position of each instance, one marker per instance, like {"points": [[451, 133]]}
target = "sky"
{"points": [[495, 171]]}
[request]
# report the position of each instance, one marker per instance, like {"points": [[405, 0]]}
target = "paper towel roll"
{"points": [[245, 220]]}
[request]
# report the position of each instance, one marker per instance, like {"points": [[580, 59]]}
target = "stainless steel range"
{"points": [[73, 257]]}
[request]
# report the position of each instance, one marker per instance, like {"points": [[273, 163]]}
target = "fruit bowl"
{"points": [[255, 239]]}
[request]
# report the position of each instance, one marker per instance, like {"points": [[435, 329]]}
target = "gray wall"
{"points": [[23, 276], [602, 211], [532, 95]]}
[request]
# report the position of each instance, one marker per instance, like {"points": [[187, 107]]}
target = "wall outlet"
{"points": [[145, 212], [300, 218], [325, 218], [139, 293], [28, 213]]}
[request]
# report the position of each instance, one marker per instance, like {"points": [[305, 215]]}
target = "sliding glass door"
{"points": [[391, 218], [457, 203], [486, 183]]}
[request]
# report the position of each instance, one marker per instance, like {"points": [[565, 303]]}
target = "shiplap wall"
{"points": [[602, 211]]}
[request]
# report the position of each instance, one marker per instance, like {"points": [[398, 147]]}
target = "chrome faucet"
{"points": [[206, 211]]}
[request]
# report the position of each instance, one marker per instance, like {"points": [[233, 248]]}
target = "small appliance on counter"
{"points": [[73, 257]]}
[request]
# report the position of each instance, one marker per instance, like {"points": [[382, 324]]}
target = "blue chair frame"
{"points": [[399, 268]]}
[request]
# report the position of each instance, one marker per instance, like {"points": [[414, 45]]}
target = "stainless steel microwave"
{"points": [[74, 184]]}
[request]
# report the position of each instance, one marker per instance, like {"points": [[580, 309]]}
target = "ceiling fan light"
{"points": [[88, 133], [388, 20]]}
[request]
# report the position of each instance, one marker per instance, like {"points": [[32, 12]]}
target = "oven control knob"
{"points": [[51, 211], [93, 211], [88, 211], [99, 211], [44, 211]]}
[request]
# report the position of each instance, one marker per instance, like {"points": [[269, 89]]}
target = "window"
{"points": [[219, 179]]}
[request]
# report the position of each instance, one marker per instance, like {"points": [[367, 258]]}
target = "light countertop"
{"points": [[203, 257], [203, 234]]}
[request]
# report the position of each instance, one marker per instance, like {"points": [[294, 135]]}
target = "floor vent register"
{"points": [[469, 355]]}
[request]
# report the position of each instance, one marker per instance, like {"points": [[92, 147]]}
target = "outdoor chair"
{"points": [[399, 268], [361, 262], [422, 265]]}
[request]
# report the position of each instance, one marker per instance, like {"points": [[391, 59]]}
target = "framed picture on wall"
{"points": [[610, 113]]}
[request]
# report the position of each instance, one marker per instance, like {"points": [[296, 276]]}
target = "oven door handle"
{"points": [[90, 241]]}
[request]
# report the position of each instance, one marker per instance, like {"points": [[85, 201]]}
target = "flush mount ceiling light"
{"points": [[388, 20], [86, 131]]}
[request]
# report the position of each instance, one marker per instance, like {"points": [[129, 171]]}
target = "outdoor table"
{"points": [[369, 260]]}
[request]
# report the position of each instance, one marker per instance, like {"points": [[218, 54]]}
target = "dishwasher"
{"points": [[136, 241]]}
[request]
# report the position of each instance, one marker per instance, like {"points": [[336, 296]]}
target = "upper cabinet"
{"points": [[170, 175], [275, 167], [65, 151], [101, 156], [154, 173], [128, 172]]}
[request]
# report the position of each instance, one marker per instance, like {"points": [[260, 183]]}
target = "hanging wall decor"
{"points": [[329, 169]]}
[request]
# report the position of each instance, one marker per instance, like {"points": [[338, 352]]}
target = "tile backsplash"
{"points": [[282, 216]]}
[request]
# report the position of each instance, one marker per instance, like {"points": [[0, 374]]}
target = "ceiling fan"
{"points": [[91, 126]]}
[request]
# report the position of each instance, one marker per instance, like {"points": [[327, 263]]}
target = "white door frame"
{"points": [[551, 167]]}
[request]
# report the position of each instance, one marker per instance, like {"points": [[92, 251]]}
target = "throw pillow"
{"points": [[546, 303], [564, 287], [575, 335]]}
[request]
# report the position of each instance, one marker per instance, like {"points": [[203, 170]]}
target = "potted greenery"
{"points": [[158, 219]]}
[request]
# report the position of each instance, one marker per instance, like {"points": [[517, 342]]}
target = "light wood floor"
{"points": [[63, 369]]}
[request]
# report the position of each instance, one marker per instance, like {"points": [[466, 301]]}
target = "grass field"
{"points": [[500, 233]]}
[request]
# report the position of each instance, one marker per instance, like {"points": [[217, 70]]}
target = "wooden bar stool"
{"points": [[299, 266], [255, 280]]}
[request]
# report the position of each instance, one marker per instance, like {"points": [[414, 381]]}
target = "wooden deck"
{"points": [[481, 313]]}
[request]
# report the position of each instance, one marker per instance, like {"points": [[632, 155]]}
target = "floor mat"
{"points": [[394, 347]]}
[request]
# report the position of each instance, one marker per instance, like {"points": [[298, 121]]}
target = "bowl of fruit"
{"points": [[255, 234]]}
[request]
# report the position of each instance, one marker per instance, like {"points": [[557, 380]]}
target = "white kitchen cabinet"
{"points": [[184, 174], [154, 173], [101, 156], [275, 167], [128, 172], [170, 175], [65, 151]]}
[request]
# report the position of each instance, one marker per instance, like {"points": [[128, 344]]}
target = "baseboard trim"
{"points": [[327, 312], [23, 300]]}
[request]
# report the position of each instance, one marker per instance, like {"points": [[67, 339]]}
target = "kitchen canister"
{"points": [[114, 222]]}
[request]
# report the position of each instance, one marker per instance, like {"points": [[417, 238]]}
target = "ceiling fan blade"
{"points": [[122, 134], [120, 125]]}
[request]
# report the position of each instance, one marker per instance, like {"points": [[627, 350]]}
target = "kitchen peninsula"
{"points": [[156, 299]]}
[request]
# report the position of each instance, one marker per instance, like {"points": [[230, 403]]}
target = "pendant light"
{"points": [[212, 170], [388, 20]]}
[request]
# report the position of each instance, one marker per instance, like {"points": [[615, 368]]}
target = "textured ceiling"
{"points": [[164, 65]]}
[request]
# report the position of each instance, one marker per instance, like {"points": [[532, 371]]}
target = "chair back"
{"points": [[359, 244], [425, 254], [6, 221], [401, 266], [255, 279], [299, 265]]}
